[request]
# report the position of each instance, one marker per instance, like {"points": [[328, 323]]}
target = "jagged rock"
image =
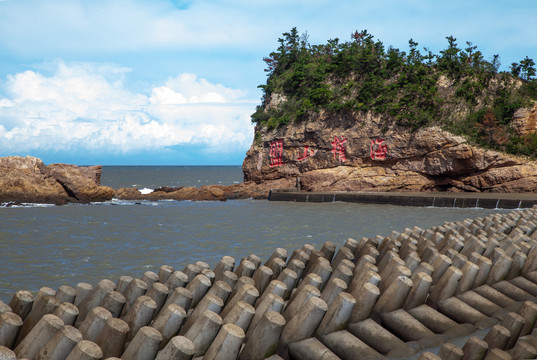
{"points": [[28, 179], [357, 152], [81, 183], [23, 179]]}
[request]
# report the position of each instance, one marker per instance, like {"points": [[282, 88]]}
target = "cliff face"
{"points": [[356, 152]]}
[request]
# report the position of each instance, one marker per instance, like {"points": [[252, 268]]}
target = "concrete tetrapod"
{"points": [[271, 302], [46, 304], [337, 316], [10, 324], [241, 315], [264, 339], [365, 300], [7, 354], [376, 336], [347, 346], [209, 302], [475, 349], [67, 312], [168, 322], [114, 302], [302, 324], [92, 326], [178, 348], [40, 334], [66, 294], [311, 348], [113, 337], [164, 273], [227, 343], [139, 315], [85, 350], [94, 298], [144, 346], [221, 289], [61, 344], [203, 331], [21, 303]]}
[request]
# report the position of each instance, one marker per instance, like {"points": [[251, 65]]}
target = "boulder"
{"points": [[81, 182], [24, 179]]}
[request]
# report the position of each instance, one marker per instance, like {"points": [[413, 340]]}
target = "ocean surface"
{"points": [[43, 245]]}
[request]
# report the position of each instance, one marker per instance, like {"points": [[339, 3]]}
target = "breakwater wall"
{"points": [[443, 199], [462, 290]]}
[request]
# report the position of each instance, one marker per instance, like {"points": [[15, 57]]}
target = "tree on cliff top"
{"points": [[361, 75]]}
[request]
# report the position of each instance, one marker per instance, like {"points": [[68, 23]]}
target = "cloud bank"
{"points": [[87, 107]]}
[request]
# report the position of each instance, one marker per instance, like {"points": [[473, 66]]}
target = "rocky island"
{"points": [[354, 116]]}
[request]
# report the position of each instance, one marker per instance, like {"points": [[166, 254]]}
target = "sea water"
{"points": [[42, 245]]}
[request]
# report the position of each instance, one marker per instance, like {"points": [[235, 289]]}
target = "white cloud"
{"points": [[186, 88], [86, 107]]}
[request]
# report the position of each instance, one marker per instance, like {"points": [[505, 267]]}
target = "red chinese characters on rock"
{"points": [[276, 153], [307, 153], [379, 149], [339, 148]]}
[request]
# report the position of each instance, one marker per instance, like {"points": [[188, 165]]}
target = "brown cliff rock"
{"points": [[81, 183], [23, 179], [28, 179], [356, 152]]}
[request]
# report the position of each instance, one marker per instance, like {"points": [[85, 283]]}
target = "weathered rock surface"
{"points": [[28, 179], [353, 152]]}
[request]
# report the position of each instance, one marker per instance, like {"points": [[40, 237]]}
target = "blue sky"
{"points": [[174, 82]]}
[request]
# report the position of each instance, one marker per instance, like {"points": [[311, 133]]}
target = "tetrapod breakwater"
{"points": [[461, 290]]}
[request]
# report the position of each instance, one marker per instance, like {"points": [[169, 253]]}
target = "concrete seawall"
{"points": [[458, 200], [461, 290]]}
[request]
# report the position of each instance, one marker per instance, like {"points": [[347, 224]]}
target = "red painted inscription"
{"points": [[307, 153], [339, 148], [276, 153], [379, 149]]}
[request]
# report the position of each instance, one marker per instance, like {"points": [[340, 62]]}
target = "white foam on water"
{"points": [[25, 205]]}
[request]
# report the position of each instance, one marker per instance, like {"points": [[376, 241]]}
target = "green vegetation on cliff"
{"points": [[457, 89]]}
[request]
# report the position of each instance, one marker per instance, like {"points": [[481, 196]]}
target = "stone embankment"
{"points": [[462, 290]]}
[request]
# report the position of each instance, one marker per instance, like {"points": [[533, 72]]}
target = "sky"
{"points": [[174, 82]]}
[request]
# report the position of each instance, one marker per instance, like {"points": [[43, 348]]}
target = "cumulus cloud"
{"points": [[87, 107]]}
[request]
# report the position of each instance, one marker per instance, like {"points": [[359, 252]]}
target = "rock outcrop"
{"points": [[28, 179], [356, 152], [243, 190]]}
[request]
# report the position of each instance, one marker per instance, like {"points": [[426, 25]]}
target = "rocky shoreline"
{"points": [[29, 180]]}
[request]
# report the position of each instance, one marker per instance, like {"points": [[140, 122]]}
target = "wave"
{"points": [[11, 204]]}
